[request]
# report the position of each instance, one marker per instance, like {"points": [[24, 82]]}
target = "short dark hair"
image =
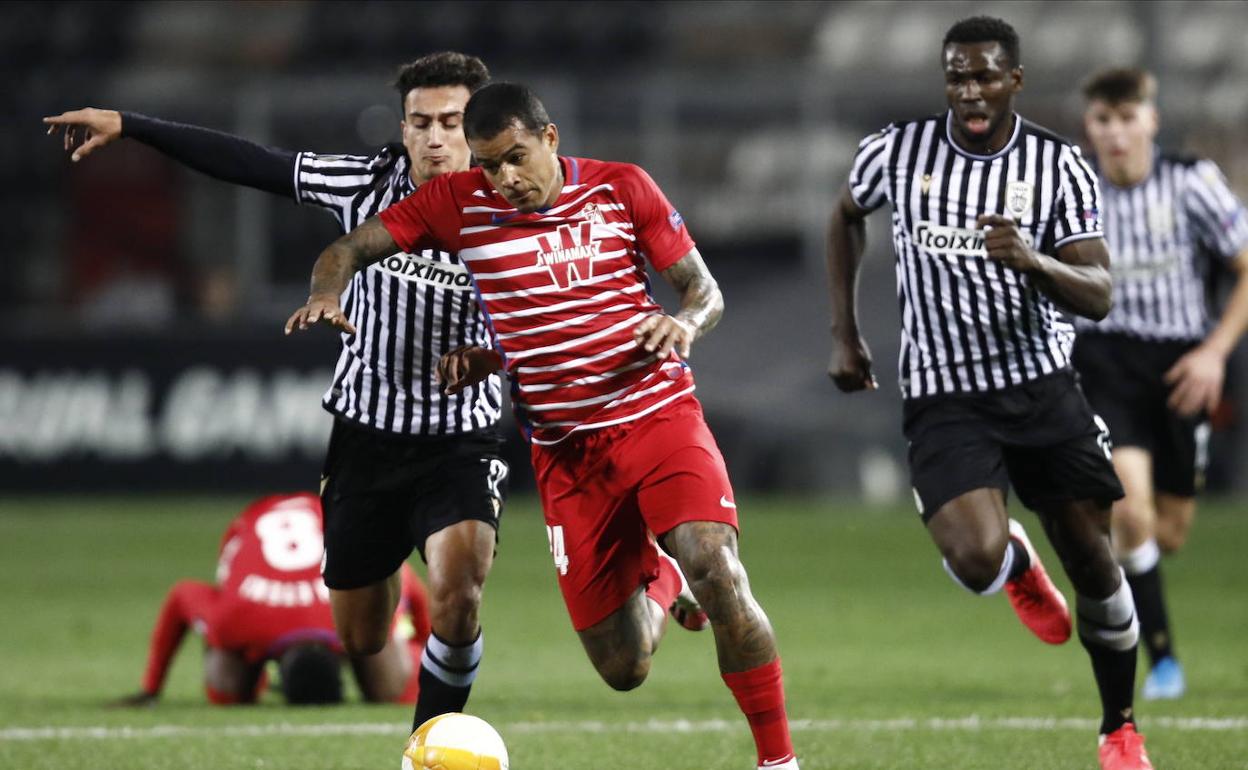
{"points": [[1121, 84], [446, 68], [985, 29], [311, 674], [496, 107]]}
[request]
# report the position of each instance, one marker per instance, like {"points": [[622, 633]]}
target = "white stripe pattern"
{"points": [[969, 324], [384, 375], [1162, 235]]}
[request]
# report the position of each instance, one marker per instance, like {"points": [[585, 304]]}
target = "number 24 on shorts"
{"points": [[554, 536]]}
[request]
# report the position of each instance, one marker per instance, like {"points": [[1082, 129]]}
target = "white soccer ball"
{"points": [[455, 742]]}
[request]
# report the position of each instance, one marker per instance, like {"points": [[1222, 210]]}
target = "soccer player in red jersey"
{"points": [[626, 466], [270, 603]]}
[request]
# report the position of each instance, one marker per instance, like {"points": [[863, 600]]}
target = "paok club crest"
{"points": [[1018, 198]]}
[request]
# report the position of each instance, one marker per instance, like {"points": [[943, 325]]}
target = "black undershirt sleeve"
{"points": [[217, 154]]}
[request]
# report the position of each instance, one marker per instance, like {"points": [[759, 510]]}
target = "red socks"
{"points": [[760, 694], [663, 589]]}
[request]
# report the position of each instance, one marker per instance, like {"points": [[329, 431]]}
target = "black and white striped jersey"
{"points": [[970, 324], [1159, 232], [408, 309]]}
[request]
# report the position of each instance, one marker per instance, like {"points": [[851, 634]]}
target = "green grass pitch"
{"points": [[888, 664]]}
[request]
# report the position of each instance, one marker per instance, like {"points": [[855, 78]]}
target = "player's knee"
{"points": [[976, 565], [362, 640], [459, 600], [716, 578], [624, 674], [453, 609], [223, 697]]}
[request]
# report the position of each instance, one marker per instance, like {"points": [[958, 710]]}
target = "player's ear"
{"points": [[1017, 75], [1153, 117], [550, 135]]}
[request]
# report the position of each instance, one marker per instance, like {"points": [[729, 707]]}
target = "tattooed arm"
{"points": [[333, 270], [701, 305]]}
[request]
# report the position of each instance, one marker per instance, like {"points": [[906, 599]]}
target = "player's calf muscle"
{"points": [[1079, 533], [362, 616], [707, 552]]}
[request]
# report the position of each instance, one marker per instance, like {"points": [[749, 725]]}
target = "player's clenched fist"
{"points": [[464, 367], [1196, 382], [320, 307], [850, 367], [663, 333], [85, 130], [1004, 243]]}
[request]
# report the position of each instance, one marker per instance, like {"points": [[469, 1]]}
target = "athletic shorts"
{"points": [[608, 492], [1122, 377], [383, 495], [1041, 438]]}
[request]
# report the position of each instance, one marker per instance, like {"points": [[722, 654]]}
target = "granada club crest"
{"points": [[568, 254], [591, 213]]}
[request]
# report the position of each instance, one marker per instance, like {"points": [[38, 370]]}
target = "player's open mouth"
{"points": [[976, 124]]}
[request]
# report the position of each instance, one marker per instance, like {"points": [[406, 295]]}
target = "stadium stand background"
{"points": [[746, 113]]}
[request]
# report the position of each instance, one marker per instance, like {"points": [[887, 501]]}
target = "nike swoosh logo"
{"points": [[725, 502], [776, 762]]}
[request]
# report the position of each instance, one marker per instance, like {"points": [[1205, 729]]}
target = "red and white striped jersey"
{"points": [[562, 288]]}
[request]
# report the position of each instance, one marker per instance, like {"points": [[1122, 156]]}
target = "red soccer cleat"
{"points": [[690, 616], [685, 608], [1123, 749], [1035, 599]]}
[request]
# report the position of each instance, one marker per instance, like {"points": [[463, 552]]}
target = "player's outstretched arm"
{"points": [[333, 270], [1077, 279], [701, 306], [223, 156], [1196, 379], [850, 367]]}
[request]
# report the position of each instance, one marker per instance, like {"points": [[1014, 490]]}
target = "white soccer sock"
{"points": [[1007, 564], [456, 666], [1109, 622], [1141, 559]]}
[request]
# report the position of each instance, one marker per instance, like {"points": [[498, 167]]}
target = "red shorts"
{"points": [[604, 491]]}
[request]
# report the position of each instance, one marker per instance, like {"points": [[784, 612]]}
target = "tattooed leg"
{"points": [[707, 553], [621, 645]]}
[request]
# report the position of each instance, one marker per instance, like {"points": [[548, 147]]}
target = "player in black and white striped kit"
{"points": [[1154, 367], [407, 466], [997, 232]]}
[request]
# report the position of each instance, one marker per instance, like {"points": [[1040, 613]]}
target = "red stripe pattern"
{"points": [[563, 288]]}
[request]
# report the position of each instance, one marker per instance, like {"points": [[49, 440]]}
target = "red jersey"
{"points": [[269, 576], [269, 592], [562, 288]]}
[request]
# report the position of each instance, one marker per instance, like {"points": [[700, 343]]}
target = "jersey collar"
{"points": [[1018, 130]]}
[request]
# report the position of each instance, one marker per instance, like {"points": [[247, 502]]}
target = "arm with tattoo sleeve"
{"points": [[701, 306], [333, 271]]}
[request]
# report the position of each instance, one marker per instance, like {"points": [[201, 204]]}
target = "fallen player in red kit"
{"points": [[270, 603]]}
